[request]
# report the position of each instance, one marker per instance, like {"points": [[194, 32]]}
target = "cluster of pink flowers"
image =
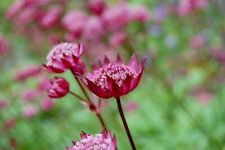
{"points": [[34, 99], [100, 24], [109, 79], [103, 141], [186, 7]]}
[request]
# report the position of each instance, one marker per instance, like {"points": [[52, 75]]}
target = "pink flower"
{"points": [[59, 87], [93, 29], [131, 106], [63, 56], [74, 22], [3, 104], [114, 79], [185, 7], [28, 72], [197, 42], [4, 45], [140, 14], [47, 104], [9, 123], [116, 18], [29, 111], [43, 84], [15, 8], [96, 6], [117, 39], [51, 18], [29, 95], [103, 141]]}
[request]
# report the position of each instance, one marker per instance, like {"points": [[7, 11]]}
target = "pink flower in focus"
{"points": [[197, 42], [93, 29], [114, 79], [74, 22], [29, 111], [140, 14], [51, 18], [63, 56], [29, 95], [59, 87], [4, 45], [96, 6], [47, 104], [117, 39], [103, 141], [28, 72], [116, 18]]}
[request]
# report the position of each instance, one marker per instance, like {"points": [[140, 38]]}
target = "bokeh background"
{"points": [[179, 104]]}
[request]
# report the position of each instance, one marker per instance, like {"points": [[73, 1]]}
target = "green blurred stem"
{"points": [[125, 123]]}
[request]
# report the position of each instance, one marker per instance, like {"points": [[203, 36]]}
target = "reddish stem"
{"points": [[125, 123]]}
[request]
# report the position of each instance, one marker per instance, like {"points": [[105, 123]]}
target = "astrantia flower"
{"points": [[103, 141], [114, 79], [63, 56], [58, 88]]}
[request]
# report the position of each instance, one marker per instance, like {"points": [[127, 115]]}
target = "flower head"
{"points": [[114, 79], [58, 88], [63, 56], [103, 141]]}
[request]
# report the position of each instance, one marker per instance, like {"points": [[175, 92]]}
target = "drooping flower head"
{"points": [[58, 88], [114, 79], [103, 141], [63, 56]]}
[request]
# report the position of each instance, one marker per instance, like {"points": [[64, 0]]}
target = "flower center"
{"points": [[117, 72]]}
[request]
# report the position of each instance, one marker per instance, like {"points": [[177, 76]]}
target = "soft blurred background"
{"points": [[179, 104]]}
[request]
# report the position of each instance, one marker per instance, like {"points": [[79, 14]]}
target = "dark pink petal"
{"points": [[106, 60], [118, 59], [133, 62]]}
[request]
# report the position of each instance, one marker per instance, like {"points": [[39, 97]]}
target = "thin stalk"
{"points": [[125, 123], [99, 116], [77, 96]]}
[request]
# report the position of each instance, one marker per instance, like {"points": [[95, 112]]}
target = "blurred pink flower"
{"points": [[103, 141], [29, 111], [97, 7], [43, 84], [47, 104], [131, 106], [63, 56], [197, 42], [9, 123], [15, 8], [140, 14], [74, 22], [204, 96], [93, 30], [51, 18], [185, 7], [4, 45], [54, 39], [116, 17], [29, 95], [117, 39], [59, 87], [114, 79], [3, 104], [219, 55], [28, 72]]}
